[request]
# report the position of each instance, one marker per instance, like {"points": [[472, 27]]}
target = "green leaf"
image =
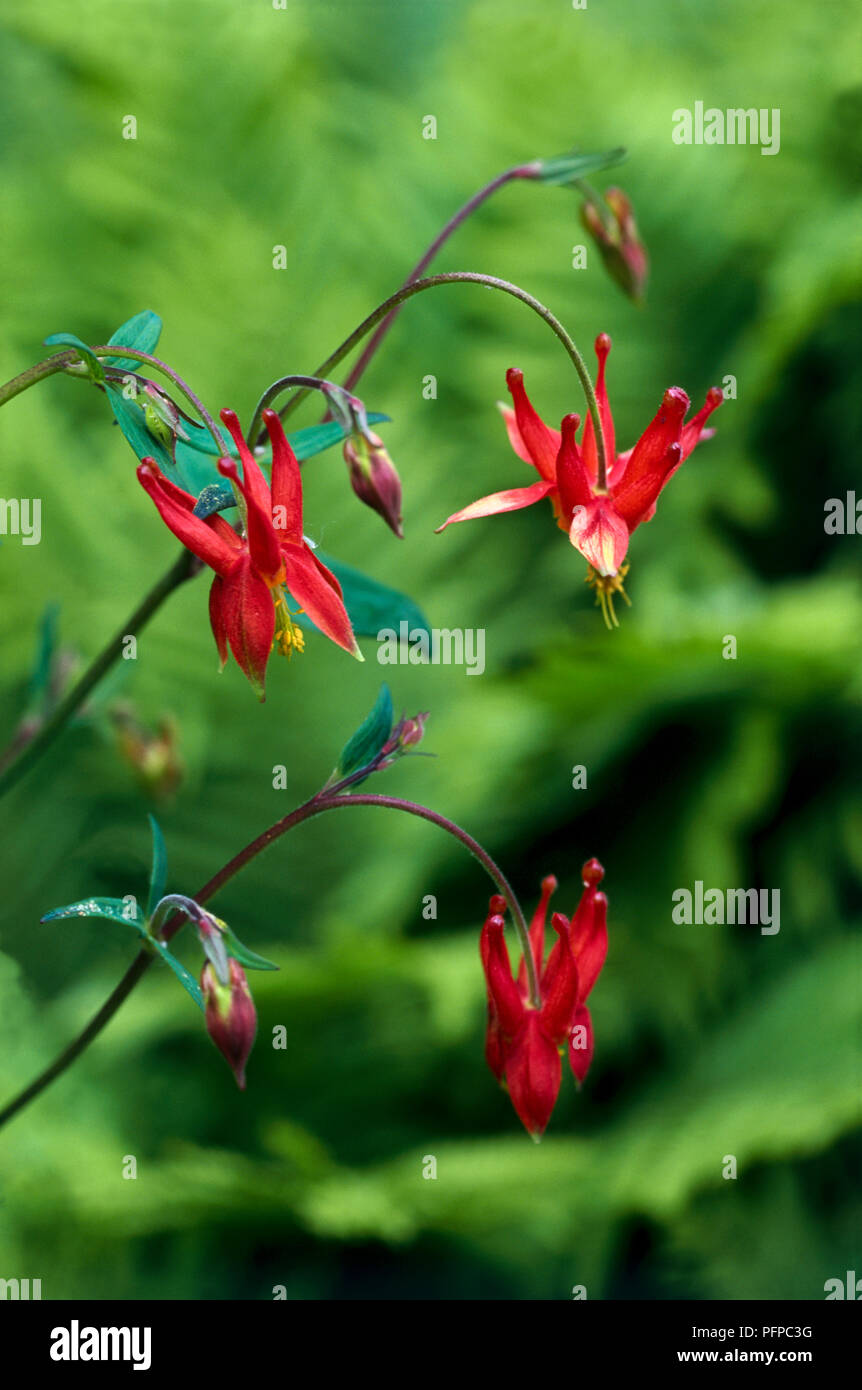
{"points": [[216, 497], [130, 418], [97, 371], [46, 647], [241, 953], [314, 439], [371, 605], [568, 168], [366, 743], [113, 909], [186, 979], [142, 331], [159, 871]]}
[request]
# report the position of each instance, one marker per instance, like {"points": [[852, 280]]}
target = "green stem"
{"points": [[63, 360], [183, 568], [329, 801], [469, 277]]}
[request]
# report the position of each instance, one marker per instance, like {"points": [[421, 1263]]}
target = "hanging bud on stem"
{"points": [[230, 1015]]}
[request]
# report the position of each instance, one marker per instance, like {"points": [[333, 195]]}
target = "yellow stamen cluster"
{"points": [[288, 637], [606, 585]]}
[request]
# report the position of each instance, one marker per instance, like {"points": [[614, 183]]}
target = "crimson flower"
{"points": [[256, 572], [598, 514], [523, 1041]]}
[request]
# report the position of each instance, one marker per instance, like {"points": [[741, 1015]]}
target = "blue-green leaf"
{"points": [[46, 648], [130, 419], [142, 331], [97, 371], [241, 953], [216, 497], [314, 439], [371, 605], [159, 871], [114, 909], [568, 168], [186, 979], [366, 743]]}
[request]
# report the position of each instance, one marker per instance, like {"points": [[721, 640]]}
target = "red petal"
{"points": [[537, 933], [514, 433], [589, 937], [560, 986], [503, 993], [573, 480], [495, 1049], [286, 482], [692, 431], [197, 535], [600, 534], [540, 442], [510, 501], [255, 482], [217, 618], [248, 615], [581, 1043], [591, 458], [263, 544], [650, 463], [318, 592], [533, 1074]]}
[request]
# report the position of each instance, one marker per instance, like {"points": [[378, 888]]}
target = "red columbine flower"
{"points": [[254, 573], [524, 1041], [599, 516]]}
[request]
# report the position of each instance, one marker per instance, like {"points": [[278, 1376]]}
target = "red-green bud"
{"points": [[374, 477], [406, 734], [230, 1015], [154, 756], [614, 230]]}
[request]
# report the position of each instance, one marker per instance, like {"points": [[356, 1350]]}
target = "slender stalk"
{"points": [[522, 171], [331, 390], [183, 568], [322, 801], [58, 363], [491, 282], [63, 360]]}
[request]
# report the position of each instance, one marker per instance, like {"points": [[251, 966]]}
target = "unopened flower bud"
{"points": [[230, 1015], [406, 734], [154, 756], [374, 477], [617, 238]]}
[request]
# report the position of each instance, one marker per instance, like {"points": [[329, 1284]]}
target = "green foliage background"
{"points": [[302, 127]]}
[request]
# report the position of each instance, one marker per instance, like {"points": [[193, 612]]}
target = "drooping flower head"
{"points": [[256, 572], [524, 1041], [230, 1015], [598, 516]]}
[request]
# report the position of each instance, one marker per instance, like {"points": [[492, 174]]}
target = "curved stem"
{"points": [[491, 282], [58, 363], [522, 171], [62, 360], [217, 436], [183, 568], [328, 801], [330, 389]]}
